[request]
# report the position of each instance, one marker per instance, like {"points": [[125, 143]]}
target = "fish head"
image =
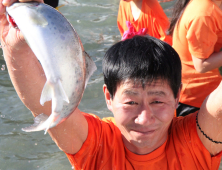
{"points": [[27, 4], [31, 7]]}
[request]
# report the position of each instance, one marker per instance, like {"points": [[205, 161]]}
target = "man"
{"points": [[142, 86]]}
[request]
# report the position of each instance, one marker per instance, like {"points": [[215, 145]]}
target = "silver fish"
{"points": [[58, 48]]}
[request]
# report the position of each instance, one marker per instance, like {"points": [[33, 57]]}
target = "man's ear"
{"points": [[178, 95], [107, 97]]}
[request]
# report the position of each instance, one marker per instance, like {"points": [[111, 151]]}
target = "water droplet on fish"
{"points": [[3, 67]]}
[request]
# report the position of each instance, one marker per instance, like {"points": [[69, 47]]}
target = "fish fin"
{"points": [[90, 66], [62, 92], [38, 121], [46, 93], [49, 89]]}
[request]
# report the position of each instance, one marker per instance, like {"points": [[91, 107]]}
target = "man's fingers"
{"points": [[4, 3], [10, 2], [41, 1], [2, 8], [4, 27]]}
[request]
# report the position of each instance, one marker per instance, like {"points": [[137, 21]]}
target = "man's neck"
{"points": [[143, 150]]}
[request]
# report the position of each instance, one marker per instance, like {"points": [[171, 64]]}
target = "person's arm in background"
{"points": [[202, 38], [28, 79], [204, 65]]}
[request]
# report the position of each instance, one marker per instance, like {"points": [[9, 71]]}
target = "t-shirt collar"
{"points": [[149, 157]]}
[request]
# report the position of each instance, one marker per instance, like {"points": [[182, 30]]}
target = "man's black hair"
{"points": [[53, 3], [142, 59]]}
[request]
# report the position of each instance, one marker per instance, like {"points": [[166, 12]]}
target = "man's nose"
{"points": [[145, 117]]}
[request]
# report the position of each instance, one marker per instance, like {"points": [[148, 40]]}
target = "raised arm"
{"points": [[28, 79], [210, 121]]}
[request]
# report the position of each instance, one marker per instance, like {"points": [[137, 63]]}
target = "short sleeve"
{"points": [[187, 145], [98, 145], [201, 36], [89, 147]]}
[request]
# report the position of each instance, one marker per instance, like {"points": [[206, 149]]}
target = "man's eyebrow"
{"points": [[130, 92], [156, 93]]}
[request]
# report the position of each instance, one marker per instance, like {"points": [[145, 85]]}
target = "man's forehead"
{"points": [[139, 83]]}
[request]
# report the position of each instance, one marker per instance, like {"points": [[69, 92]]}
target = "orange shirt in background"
{"points": [[151, 17], [104, 149], [199, 33], [162, 1]]}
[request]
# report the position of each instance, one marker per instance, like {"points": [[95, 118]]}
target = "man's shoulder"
{"points": [[109, 120], [183, 129], [94, 120], [187, 120]]}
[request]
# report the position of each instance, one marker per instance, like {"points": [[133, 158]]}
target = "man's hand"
{"points": [[10, 37]]}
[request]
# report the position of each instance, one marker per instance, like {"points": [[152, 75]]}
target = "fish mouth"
{"points": [[11, 21], [17, 4], [28, 4]]}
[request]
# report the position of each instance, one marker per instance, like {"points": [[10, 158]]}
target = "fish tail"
{"points": [[56, 93], [50, 121], [39, 123]]}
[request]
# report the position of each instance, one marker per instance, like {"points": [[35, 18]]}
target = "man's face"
{"points": [[143, 115]]}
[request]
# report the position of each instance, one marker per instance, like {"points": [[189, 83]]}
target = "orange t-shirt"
{"points": [[151, 17], [199, 33], [104, 149]]}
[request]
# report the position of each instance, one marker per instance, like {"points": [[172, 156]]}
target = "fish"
{"points": [[57, 46]]}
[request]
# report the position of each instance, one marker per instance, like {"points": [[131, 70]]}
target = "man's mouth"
{"points": [[144, 132]]}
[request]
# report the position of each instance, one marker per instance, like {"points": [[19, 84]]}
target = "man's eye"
{"points": [[156, 102], [131, 103]]}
